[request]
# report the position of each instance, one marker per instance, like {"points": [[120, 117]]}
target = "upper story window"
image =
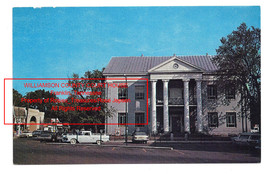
{"points": [[230, 92], [139, 118], [230, 119], [213, 119], [122, 92], [212, 91], [139, 92]]}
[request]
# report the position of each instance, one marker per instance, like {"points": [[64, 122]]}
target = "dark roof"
{"points": [[141, 65]]}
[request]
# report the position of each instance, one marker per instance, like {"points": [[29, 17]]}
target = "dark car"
{"points": [[36, 133], [45, 136], [247, 139]]}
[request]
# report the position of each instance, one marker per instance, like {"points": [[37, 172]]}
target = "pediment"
{"points": [[175, 65]]}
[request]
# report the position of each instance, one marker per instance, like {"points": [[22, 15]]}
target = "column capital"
{"points": [[198, 80], [165, 80], [186, 80], [153, 80]]}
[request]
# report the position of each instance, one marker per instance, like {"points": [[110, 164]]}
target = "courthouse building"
{"points": [[181, 96]]}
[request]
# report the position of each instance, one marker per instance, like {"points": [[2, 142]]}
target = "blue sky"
{"points": [[56, 42]]}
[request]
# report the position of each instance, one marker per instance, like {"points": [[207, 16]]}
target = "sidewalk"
{"points": [[178, 139], [172, 142]]}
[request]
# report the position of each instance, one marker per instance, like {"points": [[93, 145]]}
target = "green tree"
{"points": [[238, 60], [17, 98], [90, 116], [43, 107]]}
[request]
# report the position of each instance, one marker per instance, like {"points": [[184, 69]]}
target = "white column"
{"points": [[199, 107], [154, 108], [165, 106], [186, 106]]}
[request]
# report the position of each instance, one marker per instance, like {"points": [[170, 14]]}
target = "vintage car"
{"points": [[247, 139], [36, 133], [139, 137], [85, 137], [47, 136], [25, 134], [255, 130]]}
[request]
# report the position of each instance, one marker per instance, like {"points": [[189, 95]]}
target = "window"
{"points": [[213, 119], [121, 119], [139, 118], [139, 92], [230, 119], [230, 92], [212, 91], [122, 92]]}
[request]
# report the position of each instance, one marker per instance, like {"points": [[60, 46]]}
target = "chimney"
{"points": [[207, 54], [142, 55], [174, 55]]}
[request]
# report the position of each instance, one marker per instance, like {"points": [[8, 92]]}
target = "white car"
{"points": [[140, 137], [85, 137], [25, 134], [255, 130]]}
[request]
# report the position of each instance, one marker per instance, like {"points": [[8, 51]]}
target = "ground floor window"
{"points": [[230, 119], [139, 118], [213, 119], [121, 119]]}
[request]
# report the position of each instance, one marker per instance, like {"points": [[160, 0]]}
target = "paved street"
{"points": [[27, 151]]}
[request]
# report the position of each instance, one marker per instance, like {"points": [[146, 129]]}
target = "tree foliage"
{"points": [[42, 107], [239, 61], [17, 98], [89, 116]]}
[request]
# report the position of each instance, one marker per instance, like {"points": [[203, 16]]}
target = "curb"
{"points": [[122, 146], [194, 142], [182, 142]]}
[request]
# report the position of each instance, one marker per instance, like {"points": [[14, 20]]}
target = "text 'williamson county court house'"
{"points": [[182, 96]]}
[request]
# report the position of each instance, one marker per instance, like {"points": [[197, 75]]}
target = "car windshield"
{"points": [[140, 133]]}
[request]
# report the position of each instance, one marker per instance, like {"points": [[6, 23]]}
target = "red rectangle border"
{"points": [[145, 79]]}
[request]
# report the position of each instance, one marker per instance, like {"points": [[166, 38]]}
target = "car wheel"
{"points": [[73, 141], [98, 142]]}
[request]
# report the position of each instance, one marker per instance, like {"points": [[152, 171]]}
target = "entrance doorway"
{"points": [[176, 119], [33, 121], [177, 124]]}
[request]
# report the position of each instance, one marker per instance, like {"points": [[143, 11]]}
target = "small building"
{"points": [[33, 118], [19, 116], [182, 96]]}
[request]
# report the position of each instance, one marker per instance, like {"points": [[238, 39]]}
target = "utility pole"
{"points": [[126, 113]]}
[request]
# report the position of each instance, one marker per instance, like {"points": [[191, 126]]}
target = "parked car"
{"points": [[25, 134], [47, 136], [255, 130], [36, 133], [140, 137], [85, 137], [247, 139]]}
